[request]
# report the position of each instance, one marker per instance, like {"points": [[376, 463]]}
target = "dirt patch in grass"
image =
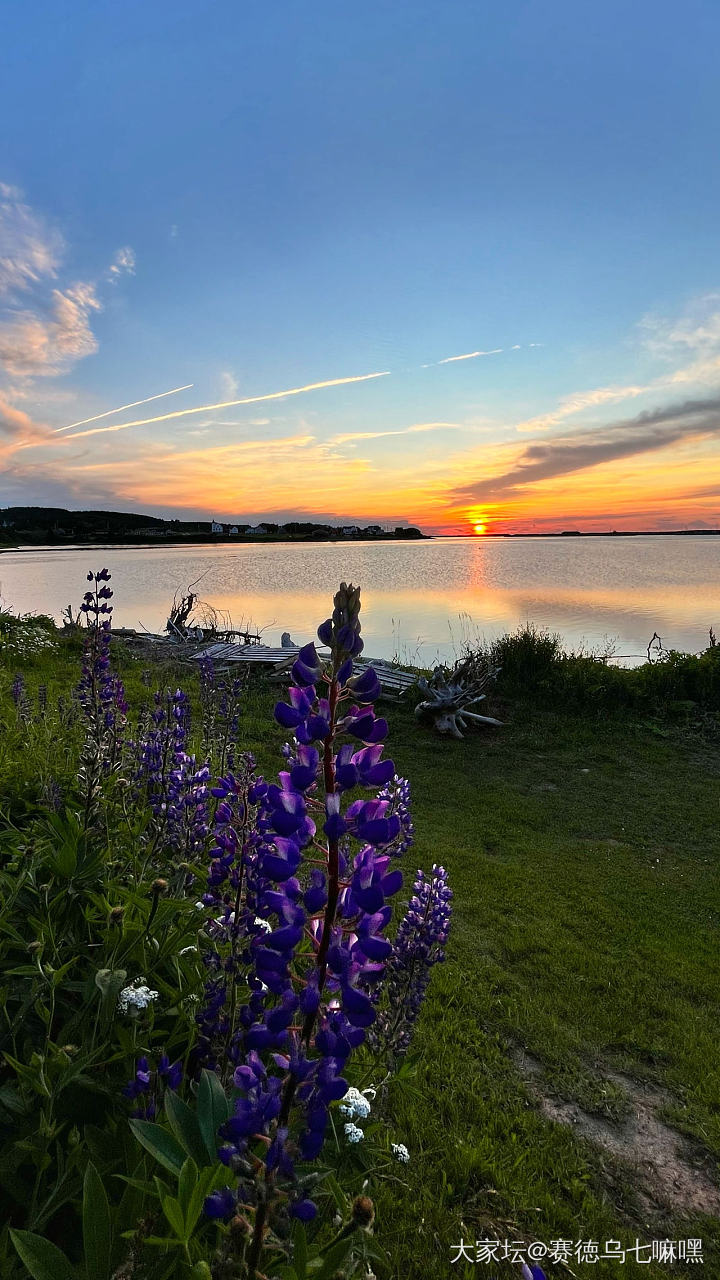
{"points": [[671, 1173]]}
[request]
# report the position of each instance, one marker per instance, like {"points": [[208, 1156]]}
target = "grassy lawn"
{"points": [[583, 857]]}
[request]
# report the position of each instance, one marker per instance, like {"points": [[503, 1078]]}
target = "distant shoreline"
{"points": [[143, 544]]}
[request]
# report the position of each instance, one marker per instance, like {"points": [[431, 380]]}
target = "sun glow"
{"points": [[479, 528]]}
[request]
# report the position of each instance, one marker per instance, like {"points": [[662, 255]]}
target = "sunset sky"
{"points": [[218, 220]]}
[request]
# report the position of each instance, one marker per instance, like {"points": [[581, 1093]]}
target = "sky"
{"points": [[449, 263]]}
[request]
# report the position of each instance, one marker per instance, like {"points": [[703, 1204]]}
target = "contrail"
{"points": [[227, 404], [121, 408], [471, 356]]}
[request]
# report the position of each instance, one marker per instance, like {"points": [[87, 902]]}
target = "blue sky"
{"points": [[309, 192]]}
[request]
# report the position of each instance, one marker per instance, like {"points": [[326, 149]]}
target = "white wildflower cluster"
{"points": [[400, 1152], [355, 1105], [25, 640], [136, 996]]}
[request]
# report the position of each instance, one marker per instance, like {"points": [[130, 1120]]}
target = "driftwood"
{"points": [[177, 623], [449, 694], [195, 621]]}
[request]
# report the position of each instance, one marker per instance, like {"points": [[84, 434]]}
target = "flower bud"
{"points": [[159, 886], [239, 1227], [116, 915], [34, 946], [363, 1211]]}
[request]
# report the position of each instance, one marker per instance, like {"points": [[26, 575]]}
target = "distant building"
{"points": [[256, 531], [374, 529], [216, 527], [233, 530], [350, 531]]}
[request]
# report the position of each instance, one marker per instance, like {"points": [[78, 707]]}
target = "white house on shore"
{"points": [[216, 527], [256, 531], [350, 531], [233, 530]]}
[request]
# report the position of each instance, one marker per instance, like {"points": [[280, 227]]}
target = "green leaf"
{"points": [[184, 1123], [300, 1252], [160, 1144], [10, 1098], [174, 1214], [341, 1200], [213, 1109], [186, 1184], [43, 1260], [97, 1228], [334, 1259]]}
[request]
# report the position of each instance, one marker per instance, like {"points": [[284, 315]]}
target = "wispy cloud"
{"points": [[573, 404], [229, 384], [350, 437], [48, 336], [696, 331], [123, 264], [34, 345], [30, 251], [18, 430], [648, 432]]}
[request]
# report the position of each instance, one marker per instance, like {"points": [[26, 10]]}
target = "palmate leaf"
{"points": [[43, 1260], [184, 1123]]}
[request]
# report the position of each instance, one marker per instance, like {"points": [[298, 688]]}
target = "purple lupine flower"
{"points": [[163, 734], [52, 796], [19, 695], [187, 818], [149, 1083], [397, 793], [169, 779], [100, 692], [419, 944], [230, 902], [220, 702], [322, 900], [221, 1204]]}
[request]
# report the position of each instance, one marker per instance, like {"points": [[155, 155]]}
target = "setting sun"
{"points": [[479, 528]]}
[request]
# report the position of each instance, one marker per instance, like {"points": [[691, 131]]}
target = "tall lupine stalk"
{"points": [[100, 692], [158, 748], [419, 945], [220, 703], [310, 910]]}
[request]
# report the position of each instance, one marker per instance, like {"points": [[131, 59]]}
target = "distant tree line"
{"points": [[57, 525]]}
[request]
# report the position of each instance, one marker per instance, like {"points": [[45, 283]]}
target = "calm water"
{"points": [[421, 600]]}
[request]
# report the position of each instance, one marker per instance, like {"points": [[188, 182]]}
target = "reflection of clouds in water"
{"points": [[420, 600]]}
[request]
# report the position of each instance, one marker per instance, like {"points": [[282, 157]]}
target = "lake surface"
{"points": [[421, 600]]}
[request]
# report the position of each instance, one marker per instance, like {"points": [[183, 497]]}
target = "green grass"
{"points": [[585, 931], [583, 854]]}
